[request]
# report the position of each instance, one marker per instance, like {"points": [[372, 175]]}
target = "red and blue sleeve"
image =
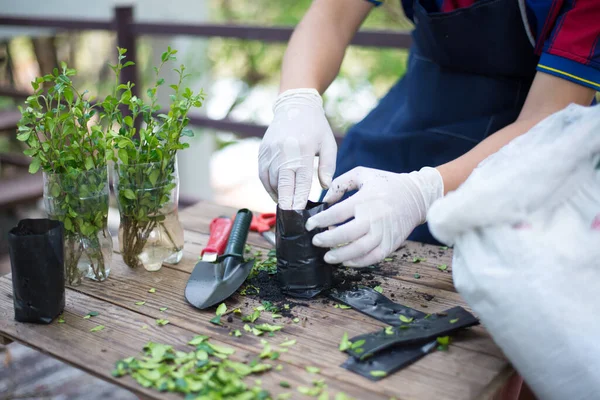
{"points": [[569, 42]]}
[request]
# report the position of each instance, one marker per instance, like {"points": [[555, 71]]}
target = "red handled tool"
{"points": [[262, 224], [219, 233]]}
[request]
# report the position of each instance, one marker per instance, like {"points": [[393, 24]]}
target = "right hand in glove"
{"points": [[298, 133]]}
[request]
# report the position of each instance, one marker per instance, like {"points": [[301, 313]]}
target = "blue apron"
{"points": [[468, 75]]}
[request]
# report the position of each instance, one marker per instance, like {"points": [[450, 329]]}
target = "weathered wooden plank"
{"points": [[29, 374], [123, 336], [433, 375]]}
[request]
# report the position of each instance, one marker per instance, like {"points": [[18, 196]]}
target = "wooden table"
{"points": [[472, 368]]}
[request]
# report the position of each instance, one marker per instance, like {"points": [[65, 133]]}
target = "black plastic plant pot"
{"points": [[301, 270], [38, 272]]}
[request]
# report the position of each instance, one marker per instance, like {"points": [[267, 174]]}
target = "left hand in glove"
{"points": [[386, 208]]}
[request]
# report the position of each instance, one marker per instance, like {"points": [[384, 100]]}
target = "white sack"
{"points": [[525, 228]]}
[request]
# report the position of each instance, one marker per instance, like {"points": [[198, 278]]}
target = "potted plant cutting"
{"points": [[60, 126], [145, 177]]}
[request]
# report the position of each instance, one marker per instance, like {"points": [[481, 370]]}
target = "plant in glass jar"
{"points": [[145, 174], [59, 126]]}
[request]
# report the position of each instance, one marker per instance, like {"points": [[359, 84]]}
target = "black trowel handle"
{"points": [[239, 234]]}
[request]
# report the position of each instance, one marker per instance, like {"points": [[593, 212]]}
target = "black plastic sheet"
{"points": [[301, 270], [388, 361], [418, 331], [38, 275], [375, 305]]}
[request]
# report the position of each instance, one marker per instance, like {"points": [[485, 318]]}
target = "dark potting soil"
{"points": [[268, 288]]}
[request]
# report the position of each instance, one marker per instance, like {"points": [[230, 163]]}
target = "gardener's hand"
{"points": [[298, 133], [386, 208]]}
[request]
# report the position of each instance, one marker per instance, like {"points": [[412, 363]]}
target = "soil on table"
{"points": [[269, 290]]}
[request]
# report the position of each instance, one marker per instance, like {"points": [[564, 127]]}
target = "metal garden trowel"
{"points": [[213, 282]]}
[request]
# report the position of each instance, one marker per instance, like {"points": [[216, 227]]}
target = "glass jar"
{"points": [[79, 199], [148, 197]]}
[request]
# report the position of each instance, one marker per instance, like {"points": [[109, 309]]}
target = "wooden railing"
{"points": [[123, 23]]}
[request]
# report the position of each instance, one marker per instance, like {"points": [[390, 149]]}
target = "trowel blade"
{"points": [[211, 283]]}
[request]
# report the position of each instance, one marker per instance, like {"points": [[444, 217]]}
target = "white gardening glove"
{"points": [[298, 133], [386, 208]]}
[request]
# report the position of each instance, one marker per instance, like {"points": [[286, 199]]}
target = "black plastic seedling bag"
{"points": [[418, 331], [375, 305], [301, 271], [38, 274]]}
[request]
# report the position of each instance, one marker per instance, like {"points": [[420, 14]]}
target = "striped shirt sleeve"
{"points": [[569, 42]]}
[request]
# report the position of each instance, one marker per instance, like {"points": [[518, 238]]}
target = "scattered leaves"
{"points": [[162, 322], [418, 259], [162, 309], [443, 342], [216, 320], [342, 306], [378, 289], [268, 327], [357, 344], [61, 320], [288, 343], [140, 303], [236, 333], [222, 309], [152, 290], [91, 314], [97, 328], [251, 318], [405, 319], [345, 344], [442, 267]]}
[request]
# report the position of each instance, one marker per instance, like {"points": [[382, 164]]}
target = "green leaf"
{"points": [[442, 267], [251, 318], [357, 344], [187, 133], [236, 333], [313, 370], [68, 224], [222, 309], [35, 165], [389, 330], [97, 328], [345, 344], [444, 340], [140, 303], [162, 322], [342, 306], [444, 247], [89, 163], [378, 289], [453, 321], [198, 339], [284, 384], [418, 259], [417, 276], [128, 193], [268, 327], [153, 177], [123, 156], [162, 309], [288, 343], [405, 319], [91, 314], [152, 290], [388, 259], [61, 320], [216, 320], [221, 349], [378, 374], [128, 121]]}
